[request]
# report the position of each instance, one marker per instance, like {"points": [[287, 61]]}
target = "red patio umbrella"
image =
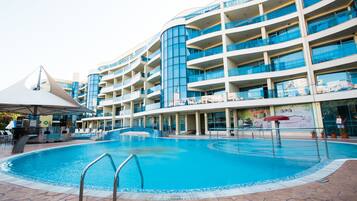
{"points": [[276, 119]]}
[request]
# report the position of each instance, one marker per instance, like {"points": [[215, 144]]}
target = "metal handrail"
{"points": [[116, 176], [81, 188]]}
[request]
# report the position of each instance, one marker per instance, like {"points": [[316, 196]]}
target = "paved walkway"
{"points": [[340, 186]]}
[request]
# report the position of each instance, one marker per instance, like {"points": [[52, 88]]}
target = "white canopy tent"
{"points": [[38, 94]]}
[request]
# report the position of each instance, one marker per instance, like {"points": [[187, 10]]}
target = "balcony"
{"points": [[267, 41], [337, 86], [157, 69], [139, 109], [308, 3], [153, 55], [153, 89], [275, 14], [206, 76], [107, 114], [105, 102], [331, 21], [246, 70], [231, 3], [153, 106], [205, 53], [202, 11], [334, 52], [197, 33], [124, 112], [107, 89]]}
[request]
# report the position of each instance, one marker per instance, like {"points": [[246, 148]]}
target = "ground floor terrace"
{"points": [[222, 121], [339, 186]]}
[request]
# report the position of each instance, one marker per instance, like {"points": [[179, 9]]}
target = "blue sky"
{"points": [[75, 35]]}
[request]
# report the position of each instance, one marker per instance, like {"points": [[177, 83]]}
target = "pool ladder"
{"points": [[116, 175]]}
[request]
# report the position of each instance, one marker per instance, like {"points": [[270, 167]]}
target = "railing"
{"points": [[124, 112], [205, 53], [308, 3], [139, 109], [81, 188], [275, 14], [118, 85], [234, 2], [331, 21], [107, 89], [208, 75], [267, 41], [338, 51], [153, 89], [262, 68], [157, 52], [336, 87], [157, 69], [116, 176], [196, 33], [106, 114], [153, 106], [202, 11]]}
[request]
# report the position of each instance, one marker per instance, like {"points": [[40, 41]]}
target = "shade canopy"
{"points": [[276, 118], [38, 93]]}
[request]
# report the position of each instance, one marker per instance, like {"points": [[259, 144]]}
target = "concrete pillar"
{"points": [[169, 123], [228, 121], [113, 116], [318, 121], [177, 117], [144, 121], [161, 122], [206, 123], [235, 121], [198, 123], [186, 123], [131, 120], [105, 125]]}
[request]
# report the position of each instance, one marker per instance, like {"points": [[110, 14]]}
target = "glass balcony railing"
{"points": [[205, 53], [278, 66], [331, 21], [157, 52], [197, 33], [118, 72], [139, 109], [267, 41], [335, 52], [336, 86], [246, 70], [234, 2], [153, 89], [106, 114], [272, 15], [157, 69], [202, 11], [206, 76], [308, 3], [291, 92], [153, 106], [124, 112]]}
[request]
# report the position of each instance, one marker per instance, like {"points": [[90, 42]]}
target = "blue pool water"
{"points": [[176, 165]]}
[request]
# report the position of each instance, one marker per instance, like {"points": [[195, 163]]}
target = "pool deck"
{"points": [[339, 186]]}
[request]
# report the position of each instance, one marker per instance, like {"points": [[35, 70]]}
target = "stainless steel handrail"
{"points": [[116, 176], [81, 188]]}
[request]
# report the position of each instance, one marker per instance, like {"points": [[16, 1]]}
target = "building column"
{"points": [[177, 117], [113, 117], [161, 122], [144, 121], [169, 123], [206, 123], [198, 123], [105, 125], [235, 121], [131, 120], [228, 121], [318, 120], [186, 123]]}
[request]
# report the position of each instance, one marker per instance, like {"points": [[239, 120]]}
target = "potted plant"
{"points": [[322, 134], [344, 134], [333, 135], [313, 134]]}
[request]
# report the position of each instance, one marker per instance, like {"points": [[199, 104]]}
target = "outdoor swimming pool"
{"points": [[172, 165]]}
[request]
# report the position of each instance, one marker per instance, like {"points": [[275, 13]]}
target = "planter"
{"points": [[344, 135], [313, 134], [333, 135]]}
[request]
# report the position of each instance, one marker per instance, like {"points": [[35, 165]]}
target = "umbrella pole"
{"points": [[278, 133]]}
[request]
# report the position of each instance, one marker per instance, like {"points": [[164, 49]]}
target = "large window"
{"points": [[216, 121], [334, 82], [92, 91], [173, 63], [289, 88]]}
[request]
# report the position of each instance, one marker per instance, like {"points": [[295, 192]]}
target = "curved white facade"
{"points": [[245, 59]]}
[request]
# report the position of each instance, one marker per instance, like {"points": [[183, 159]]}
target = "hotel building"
{"points": [[232, 63]]}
